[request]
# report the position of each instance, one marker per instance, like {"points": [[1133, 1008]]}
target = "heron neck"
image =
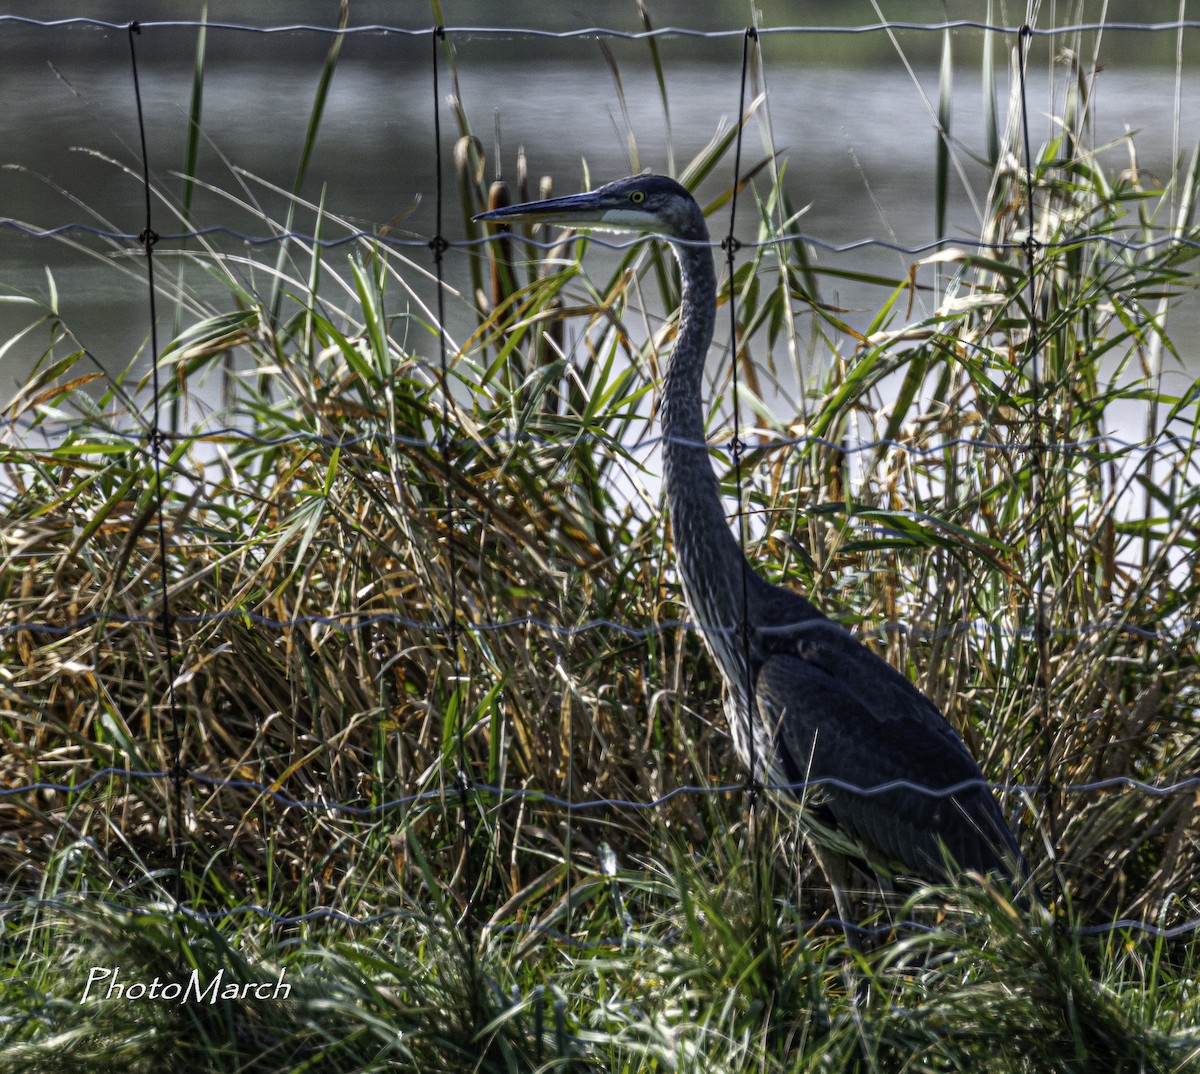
{"points": [[710, 560]]}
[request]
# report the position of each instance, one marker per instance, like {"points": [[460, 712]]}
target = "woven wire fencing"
{"points": [[353, 583]]}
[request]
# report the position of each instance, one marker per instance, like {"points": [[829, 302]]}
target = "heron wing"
{"points": [[837, 712]]}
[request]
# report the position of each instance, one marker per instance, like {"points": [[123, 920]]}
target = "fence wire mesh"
{"points": [[179, 640]]}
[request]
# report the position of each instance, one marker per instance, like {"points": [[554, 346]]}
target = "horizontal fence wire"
{"points": [[1100, 446], [1178, 631], [788, 238], [353, 622], [505, 795], [588, 32], [633, 938]]}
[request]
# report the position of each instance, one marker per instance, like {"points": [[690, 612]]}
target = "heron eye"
{"points": [[637, 197]]}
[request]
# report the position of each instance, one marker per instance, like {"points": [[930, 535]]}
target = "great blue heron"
{"points": [[813, 704]]}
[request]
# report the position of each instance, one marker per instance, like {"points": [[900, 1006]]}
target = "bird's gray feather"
{"points": [[838, 712]]}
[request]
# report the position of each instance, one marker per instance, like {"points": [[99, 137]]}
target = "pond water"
{"points": [[858, 141]]}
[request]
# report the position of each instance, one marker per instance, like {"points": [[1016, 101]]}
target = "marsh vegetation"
{"points": [[948, 485]]}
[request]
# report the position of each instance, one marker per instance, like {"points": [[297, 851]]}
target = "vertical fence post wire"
{"points": [[439, 245], [1041, 640], [731, 245], [148, 238]]}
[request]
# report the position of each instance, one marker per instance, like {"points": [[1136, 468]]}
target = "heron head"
{"points": [[651, 204]]}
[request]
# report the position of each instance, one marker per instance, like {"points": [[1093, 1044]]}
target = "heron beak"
{"points": [[570, 211]]}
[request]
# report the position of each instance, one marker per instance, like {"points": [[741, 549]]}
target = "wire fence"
{"points": [[589, 32], [400, 242], [150, 435], [516, 794]]}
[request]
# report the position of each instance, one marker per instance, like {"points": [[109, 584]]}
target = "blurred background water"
{"points": [[852, 116]]}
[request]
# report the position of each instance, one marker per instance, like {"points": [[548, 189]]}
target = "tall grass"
{"points": [[1033, 573]]}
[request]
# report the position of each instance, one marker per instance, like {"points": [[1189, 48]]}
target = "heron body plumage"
{"points": [[808, 704]]}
